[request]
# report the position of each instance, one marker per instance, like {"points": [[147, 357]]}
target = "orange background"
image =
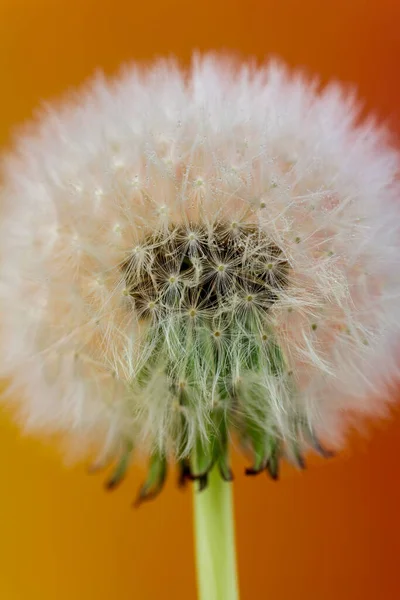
{"points": [[332, 532]]}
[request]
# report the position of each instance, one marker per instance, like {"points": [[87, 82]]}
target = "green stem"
{"points": [[215, 540]]}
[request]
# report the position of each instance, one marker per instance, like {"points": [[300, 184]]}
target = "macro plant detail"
{"points": [[195, 257], [206, 292]]}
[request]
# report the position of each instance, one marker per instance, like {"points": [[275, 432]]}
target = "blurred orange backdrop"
{"points": [[332, 532]]}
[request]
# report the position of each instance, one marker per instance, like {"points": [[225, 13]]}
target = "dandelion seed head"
{"points": [[223, 240]]}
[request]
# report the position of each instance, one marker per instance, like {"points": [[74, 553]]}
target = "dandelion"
{"points": [[193, 257]]}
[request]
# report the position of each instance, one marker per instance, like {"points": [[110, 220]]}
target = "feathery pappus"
{"points": [[191, 255]]}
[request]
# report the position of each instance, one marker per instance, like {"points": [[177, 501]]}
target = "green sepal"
{"points": [[121, 468], [264, 446], [224, 467], [324, 452], [252, 435], [202, 481], [259, 454], [273, 461], [258, 441], [266, 449], [203, 457], [155, 480], [296, 456], [222, 449], [214, 451], [314, 442]]}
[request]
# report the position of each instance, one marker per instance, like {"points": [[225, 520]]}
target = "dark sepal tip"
{"points": [[226, 474], [202, 477], [112, 484], [323, 451], [145, 495], [318, 447], [252, 471], [203, 482], [273, 470], [300, 462], [184, 475]]}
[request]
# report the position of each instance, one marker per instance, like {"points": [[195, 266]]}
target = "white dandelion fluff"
{"points": [[187, 256]]}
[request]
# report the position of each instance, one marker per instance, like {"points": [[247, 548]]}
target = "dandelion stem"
{"points": [[215, 540]]}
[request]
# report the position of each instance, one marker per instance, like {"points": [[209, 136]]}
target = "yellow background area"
{"points": [[329, 533]]}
